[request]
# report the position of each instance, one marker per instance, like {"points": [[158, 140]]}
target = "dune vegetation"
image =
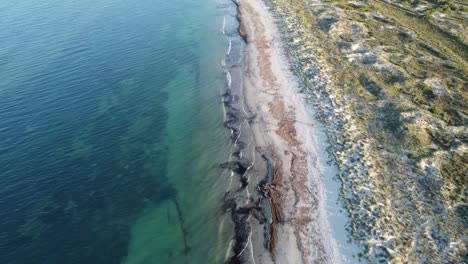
{"points": [[389, 81]]}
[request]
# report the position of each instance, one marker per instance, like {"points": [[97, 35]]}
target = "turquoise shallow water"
{"points": [[111, 131]]}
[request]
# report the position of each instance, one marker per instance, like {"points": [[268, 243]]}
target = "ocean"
{"points": [[112, 130]]}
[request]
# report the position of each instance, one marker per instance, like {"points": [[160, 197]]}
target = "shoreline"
{"points": [[286, 131]]}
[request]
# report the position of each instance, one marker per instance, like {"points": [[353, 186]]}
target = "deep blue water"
{"points": [[84, 146]]}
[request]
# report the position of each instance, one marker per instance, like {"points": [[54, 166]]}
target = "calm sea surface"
{"points": [[111, 131]]}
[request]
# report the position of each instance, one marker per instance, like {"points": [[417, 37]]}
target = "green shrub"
{"points": [[361, 8], [345, 6], [425, 88], [364, 8], [437, 111], [428, 13]]}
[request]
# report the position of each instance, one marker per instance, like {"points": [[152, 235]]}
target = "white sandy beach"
{"points": [[308, 226]]}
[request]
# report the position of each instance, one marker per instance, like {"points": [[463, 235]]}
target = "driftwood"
{"points": [[274, 195]]}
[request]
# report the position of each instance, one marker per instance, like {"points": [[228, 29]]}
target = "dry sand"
{"points": [[285, 129]]}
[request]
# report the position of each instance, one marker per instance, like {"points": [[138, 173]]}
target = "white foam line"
{"points": [[240, 133], [245, 120], [224, 109], [248, 241], [224, 25], [230, 47], [228, 77], [230, 179], [247, 191], [249, 167], [228, 251], [242, 82], [251, 247], [230, 156], [246, 246]]}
